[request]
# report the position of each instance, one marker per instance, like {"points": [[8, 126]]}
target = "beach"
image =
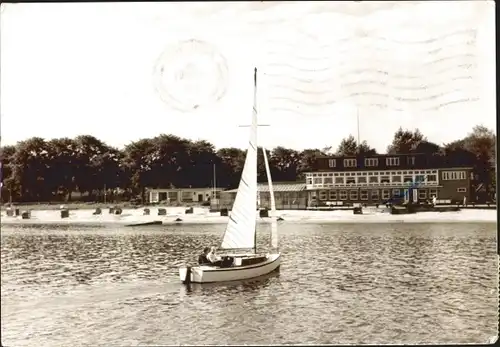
{"points": [[202, 215]]}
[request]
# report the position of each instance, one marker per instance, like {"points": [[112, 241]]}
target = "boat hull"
{"points": [[211, 274]]}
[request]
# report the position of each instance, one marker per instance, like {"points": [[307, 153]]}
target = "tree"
{"points": [[30, 168], [202, 158], [39, 170], [426, 147], [308, 161], [62, 166], [349, 147], [481, 143], [231, 166], [89, 151], [261, 167], [405, 141], [364, 149], [9, 183], [284, 164], [170, 162], [136, 165]]}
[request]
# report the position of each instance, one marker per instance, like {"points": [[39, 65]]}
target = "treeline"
{"points": [[40, 170]]}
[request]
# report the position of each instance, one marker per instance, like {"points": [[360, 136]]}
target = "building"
{"points": [[287, 196], [376, 179], [182, 195]]}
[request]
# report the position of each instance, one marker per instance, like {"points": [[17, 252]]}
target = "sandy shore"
{"points": [[203, 216]]}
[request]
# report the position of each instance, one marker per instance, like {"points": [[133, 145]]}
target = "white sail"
{"points": [[274, 222], [240, 230]]}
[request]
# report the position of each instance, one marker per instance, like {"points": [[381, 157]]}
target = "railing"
{"points": [[375, 185]]}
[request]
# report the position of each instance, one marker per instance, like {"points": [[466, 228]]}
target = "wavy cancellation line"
{"points": [[433, 66], [459, 37], [333, 97], [376, 74], [330, 109], [347, 57], [332, 76], [471, 33], [374, 99], [303, 52], [461, 82]]}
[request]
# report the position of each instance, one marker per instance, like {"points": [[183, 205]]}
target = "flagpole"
{"points": [[357, 120]]}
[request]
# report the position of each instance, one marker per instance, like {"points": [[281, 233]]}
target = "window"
{"points": [[318, 180], [431, 178], [371, 161], [396, 193], [433, 192], [386, 194], [373, 179], [422, 194], [454, 175], [396, 179], [420, 178], [410, 160], [322, 195], [339, 180], [187, 196], [328, 180], [375, 195], [461, 190], [384, 179], [350, 180], [309, 180], [343, 195], [363, 194], [393, 161], [354, 195], [361, 179], [349, 162], [332, 195], [331, 163], [407, 179]]}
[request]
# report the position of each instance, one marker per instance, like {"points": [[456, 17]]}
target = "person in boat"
{"points": [[203, 257], [213, 258]]}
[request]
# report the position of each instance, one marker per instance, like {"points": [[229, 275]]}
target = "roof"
{"points": [[283, 187]]}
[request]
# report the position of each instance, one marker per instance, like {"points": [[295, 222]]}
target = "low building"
{"points": [[183, 195], [376, 179], [287, 196]]}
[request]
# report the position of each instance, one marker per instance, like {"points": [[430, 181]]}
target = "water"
{"points": [[339, 284]]}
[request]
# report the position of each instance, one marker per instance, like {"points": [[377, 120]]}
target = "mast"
{"points": [[256, 146], [274, 222], [357, 123], [215, 185]]}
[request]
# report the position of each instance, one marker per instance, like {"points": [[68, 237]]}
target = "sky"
{"points": [[125, 71]]}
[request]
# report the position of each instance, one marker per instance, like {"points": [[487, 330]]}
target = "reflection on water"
{"points": [[339, 284]]}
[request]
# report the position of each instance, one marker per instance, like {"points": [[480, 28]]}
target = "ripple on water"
{"points": [[381, 283]]}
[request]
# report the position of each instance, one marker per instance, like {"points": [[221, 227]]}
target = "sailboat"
{"points": [[238, 248]]}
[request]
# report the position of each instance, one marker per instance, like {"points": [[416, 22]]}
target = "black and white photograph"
{"points": [[248, 173]]}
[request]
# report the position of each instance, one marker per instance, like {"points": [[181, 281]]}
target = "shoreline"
{"points": [[128, 206], [203, 216]]}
